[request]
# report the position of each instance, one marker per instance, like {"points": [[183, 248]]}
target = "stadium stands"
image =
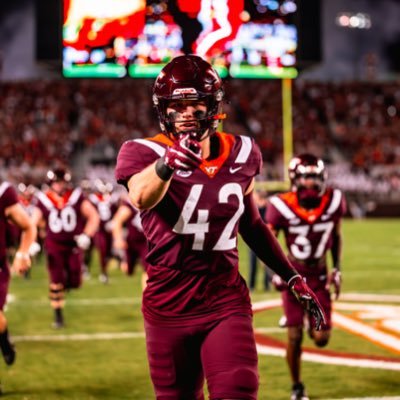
{"points": [[353, 126]]}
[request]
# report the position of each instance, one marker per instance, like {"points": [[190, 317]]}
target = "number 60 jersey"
{"points": [[192, 232]]}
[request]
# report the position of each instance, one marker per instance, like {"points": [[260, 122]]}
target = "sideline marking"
{"points": [[270, 346]]}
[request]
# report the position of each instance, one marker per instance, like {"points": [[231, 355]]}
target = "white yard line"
{"points": [[384, 298], [369, 398], [276, 329], [79, 337], [332, 360], [12, 300], [369, 332], [350, 324]]}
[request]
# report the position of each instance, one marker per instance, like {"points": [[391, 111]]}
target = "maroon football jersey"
{"points": [[8, 197], [192, 232], [64, 219], [106, 207], [308, 233], [134, 223]]}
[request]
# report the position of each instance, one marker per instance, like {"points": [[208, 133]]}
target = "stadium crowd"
{"points": [[353, 126]]}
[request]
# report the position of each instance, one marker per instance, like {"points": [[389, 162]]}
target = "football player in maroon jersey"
{"points": [[11, 210], [132, 246], [193, 185], [106, 203], [71, 222], [309, 215]]}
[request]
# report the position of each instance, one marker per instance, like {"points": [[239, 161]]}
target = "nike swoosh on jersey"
{"points": [[234, 170]]}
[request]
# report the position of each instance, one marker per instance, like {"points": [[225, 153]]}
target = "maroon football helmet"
{"points": [[58, 175], [26, 190], [189, 77], [102, 187], [308, 176]]}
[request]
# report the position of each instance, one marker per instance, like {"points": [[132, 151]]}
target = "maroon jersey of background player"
{"points": [[8, 197], [137, 243], [309, 216], [106, 205], [308, 232]]}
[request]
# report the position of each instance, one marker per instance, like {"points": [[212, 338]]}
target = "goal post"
{"points": [[287, 137]]}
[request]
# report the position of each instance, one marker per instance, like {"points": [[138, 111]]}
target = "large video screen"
{"points": [[118, 38]]}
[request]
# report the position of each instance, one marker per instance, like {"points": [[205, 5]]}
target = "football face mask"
{"points": [[310, 188], [188, 117], [308, 176]]}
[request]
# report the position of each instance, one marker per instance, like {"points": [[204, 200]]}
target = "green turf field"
{"points": [[81, 362]]}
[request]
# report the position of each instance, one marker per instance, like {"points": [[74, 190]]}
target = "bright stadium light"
{"points": [[353, 20]]}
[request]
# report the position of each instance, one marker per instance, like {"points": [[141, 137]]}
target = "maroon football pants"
{"points": [[65, 266], [223, 352]]}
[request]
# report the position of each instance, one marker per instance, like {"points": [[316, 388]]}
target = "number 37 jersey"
{"points": [[192, 232], [308, 233]]}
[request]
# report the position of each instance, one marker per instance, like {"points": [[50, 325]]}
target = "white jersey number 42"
{"points": [[201, 226]]}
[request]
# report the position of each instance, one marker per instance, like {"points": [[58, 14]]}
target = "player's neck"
{"points": [[212, 148], [205, 148]]}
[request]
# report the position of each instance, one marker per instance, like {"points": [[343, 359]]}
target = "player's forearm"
{"points": [[263, 242], [146, 188], [91, 226], [336, 250], [28, 236], [92, 218], [117, 233]]}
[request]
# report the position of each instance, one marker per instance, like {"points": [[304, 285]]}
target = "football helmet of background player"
{"points": [[86, 185], [189, 77], [59, 179], [102, 187], [26, 191], [308, 176]]}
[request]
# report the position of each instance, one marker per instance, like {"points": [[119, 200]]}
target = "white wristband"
{"points": [[291, 279], [23, 256]]}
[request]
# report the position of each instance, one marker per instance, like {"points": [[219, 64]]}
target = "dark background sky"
{"points": [[344, 51]]}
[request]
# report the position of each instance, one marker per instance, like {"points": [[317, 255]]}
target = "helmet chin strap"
{"points": [[199, 133]]}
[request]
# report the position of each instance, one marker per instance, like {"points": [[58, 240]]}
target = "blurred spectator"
{"points": [[353, 126]]}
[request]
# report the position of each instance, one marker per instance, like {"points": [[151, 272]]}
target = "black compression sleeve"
{"points": [[336, 248], [262, 241]]}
